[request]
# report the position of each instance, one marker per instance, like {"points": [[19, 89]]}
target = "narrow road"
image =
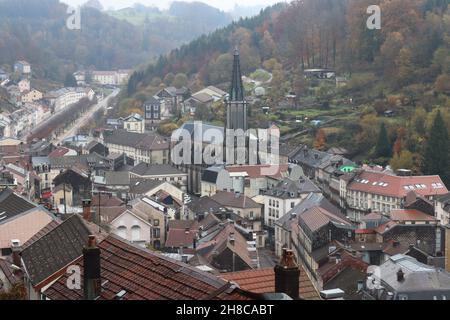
{"points": [[85, 118]]}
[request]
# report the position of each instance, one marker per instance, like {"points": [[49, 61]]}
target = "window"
{"points": [[251, 214], [156, 233], [122, 232], [135, 233], [156, 222], [292, 205], [61, 201]]}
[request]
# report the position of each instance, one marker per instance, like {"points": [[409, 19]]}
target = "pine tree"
{"points": [[383, 147], [436, 157], [70, 81]]}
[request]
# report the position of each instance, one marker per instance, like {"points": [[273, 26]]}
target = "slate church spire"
{"points": [[236, 105]]}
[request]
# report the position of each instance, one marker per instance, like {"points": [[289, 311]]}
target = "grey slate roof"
{"points": [[145, 169], [229, 199], [288, 188], [140, 186], [312, 200], [55, 250], [310, 157], [210, 174], [143, 141], [117, 178], [190, 127], [203, 205], [85, 159], [421, 282], [12, 205]]}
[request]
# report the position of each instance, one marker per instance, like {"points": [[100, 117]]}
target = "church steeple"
{"points": [[236, 105], [237, 88]]}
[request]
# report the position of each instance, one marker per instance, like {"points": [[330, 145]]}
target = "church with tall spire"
{"points": [[236, 103]]}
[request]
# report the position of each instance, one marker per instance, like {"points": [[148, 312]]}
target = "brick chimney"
{"points": [[91, 263], [87, 215], [287, 275], [400, 275], [16, 249]]}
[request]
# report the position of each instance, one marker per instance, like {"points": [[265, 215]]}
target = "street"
{"points": [[85, 118]]}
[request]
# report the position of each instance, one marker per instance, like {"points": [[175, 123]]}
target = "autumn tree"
{"points": [[321, 140], [402, 160]]}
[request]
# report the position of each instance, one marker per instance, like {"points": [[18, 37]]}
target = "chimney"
{"points": [[87, 210], [91, 262], [287, 275], [400, 275], [16, 249], [231, 238]]}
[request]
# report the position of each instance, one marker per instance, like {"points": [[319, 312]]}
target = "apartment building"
{"points": [[367, 191]]}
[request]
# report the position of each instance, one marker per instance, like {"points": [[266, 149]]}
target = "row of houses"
{"points": [[112, 78]]}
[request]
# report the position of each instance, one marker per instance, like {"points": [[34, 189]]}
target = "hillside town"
{"points": [[113, 204]]}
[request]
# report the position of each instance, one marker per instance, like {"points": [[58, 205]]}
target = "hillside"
{"points": [[403, 68], [180, 24], [36, 31]]}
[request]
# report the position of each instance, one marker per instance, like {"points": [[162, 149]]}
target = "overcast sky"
{"points": [[221, 4]]}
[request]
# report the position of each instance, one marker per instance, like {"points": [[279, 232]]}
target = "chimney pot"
{"points": [[87, 209], [16, 249], [400, 275], [287, 275], [91, 263]]}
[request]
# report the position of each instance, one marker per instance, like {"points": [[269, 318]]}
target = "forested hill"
{"points": [[180, 24], [413, 46], [36, 31]]}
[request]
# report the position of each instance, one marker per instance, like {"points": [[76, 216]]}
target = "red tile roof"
{"points": [[386, 226], [394, 186], [410, 215], [59, 152], [221, 242], [364, 231], [146, 275], [263, 281], [317, 217]]}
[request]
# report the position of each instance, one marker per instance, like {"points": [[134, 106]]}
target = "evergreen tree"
{"points": [[383, 147], [436, 157], [70, 81]]}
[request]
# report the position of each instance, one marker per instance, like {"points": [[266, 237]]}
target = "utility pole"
{"points": [[65, 203]]}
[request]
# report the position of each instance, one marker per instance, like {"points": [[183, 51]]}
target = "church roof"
{"points": [[237, 87]]}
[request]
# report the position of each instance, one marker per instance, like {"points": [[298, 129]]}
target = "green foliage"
{"points": [[436, 156], [383, 147], [70, 81]]}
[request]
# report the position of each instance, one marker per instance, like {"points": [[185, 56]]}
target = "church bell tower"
{"points": [[236, 104]]}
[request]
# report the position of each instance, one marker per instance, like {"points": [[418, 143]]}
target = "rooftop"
{"points": [[263, 281], [402, 215], [397, 186], [287, 188], [145, 169], [143, 141], [229, 199], [145, 275]]}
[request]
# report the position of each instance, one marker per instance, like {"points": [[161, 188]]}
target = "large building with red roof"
{"points": [[370, 191]]}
